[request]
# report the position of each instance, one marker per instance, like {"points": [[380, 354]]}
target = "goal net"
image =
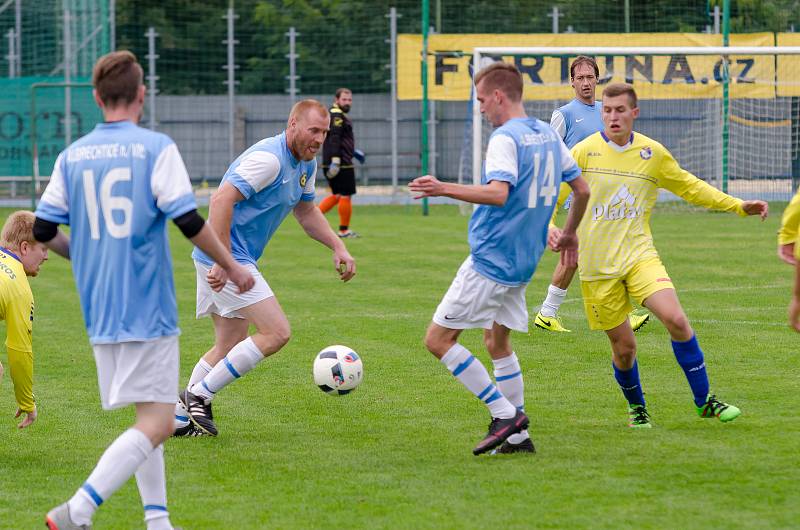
{"points": [[729, 115]]}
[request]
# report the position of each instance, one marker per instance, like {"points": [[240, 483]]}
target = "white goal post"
{"points": [[769, 124]]}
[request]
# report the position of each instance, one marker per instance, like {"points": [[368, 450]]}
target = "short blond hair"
{"points": [[18, 228], [618, 89], [303, 107], [504, 77]]}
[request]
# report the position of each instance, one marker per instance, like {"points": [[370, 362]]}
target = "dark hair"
{"points": [[617, 89], [117, 77], [584, 59], [504, 77], [340, 91]]}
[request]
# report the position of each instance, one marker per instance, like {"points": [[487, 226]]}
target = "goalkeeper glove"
{"points": [[359, 155], [333, 170]]}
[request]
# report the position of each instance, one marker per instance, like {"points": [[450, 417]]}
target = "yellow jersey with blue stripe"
{"points": [[624, 182], [790, 224], [16, 308]]}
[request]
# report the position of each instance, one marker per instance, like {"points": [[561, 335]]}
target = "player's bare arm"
{"points": [[220, 214], [794, 305], [316, 226], [207, 241], [567, 242], [494, 193]]}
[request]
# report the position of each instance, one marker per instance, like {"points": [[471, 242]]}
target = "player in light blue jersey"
{"points": [[268, 181], [575, 121], [115, 188], [526, 161]]}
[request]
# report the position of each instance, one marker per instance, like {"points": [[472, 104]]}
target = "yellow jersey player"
{"points": [[20, 257], [789, 252], [617, 259]]}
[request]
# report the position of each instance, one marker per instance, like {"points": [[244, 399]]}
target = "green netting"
{"points": [[36, 57]]}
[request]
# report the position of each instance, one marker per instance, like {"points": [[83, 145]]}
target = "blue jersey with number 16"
{"points": [[506, 242], [115, 188]]}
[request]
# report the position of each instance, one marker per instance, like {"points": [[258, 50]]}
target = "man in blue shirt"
{"points": [[575, 121], [261, 187], [526, 162], [115, 188]]}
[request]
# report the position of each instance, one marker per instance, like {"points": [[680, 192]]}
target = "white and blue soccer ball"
{"points": [[338, 370]]}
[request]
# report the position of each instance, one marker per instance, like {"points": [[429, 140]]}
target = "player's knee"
{"points": [[677, 323], [435, 344], [281, 335]]}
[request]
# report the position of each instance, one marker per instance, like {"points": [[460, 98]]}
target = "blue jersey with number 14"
{"points": [[507, 241], [115, 188]]}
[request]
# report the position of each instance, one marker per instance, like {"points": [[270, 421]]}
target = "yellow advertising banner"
{"points": [[675, 76], [788, 66]]}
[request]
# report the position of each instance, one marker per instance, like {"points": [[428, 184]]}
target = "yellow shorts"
{"points": [[607, 302]]}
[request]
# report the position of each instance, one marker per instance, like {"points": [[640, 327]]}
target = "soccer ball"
{"points": [[337, 370]]}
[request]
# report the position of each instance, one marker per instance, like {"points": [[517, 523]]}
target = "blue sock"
{"points": [[690, 357], [629, 383]]}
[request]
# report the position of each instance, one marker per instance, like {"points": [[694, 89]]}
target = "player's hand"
{"points": [[756, 208], [794, 314], [427, 186], [786, 254], [553, 233], [567, 245], [29, 418], [333, 169], [217, 277], [242, 277], [345, 264]]}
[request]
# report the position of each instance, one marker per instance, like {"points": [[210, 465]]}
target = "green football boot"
{"points": [[716, 408], [549, 323], [638, 318]]}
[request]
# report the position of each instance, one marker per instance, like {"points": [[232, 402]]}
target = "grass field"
{"points": [[396, 453]]}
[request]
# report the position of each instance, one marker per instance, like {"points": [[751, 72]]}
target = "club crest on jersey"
{"points": [[646, 153], [303, 179], [621, 206]]}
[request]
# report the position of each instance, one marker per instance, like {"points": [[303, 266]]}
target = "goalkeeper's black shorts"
{"points": [[344, 183]]}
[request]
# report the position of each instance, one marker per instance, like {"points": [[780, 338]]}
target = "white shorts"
{"points": [[229, 300], [137, 372], [475, 301]]}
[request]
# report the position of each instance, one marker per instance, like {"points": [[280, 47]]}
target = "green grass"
{"points": [[397, 452]]}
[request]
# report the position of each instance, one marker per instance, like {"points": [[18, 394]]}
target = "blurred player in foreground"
{"points": [[618, 259], [20, 257], [526, 161], [268, 181], [789, 252], [574, 121], [115, 188]]}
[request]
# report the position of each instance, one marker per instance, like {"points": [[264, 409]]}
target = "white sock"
{"points": [[508, 376], [119, 462], [474, 376], [200, 370], [240, 360], [152, 482], [555, 297]]}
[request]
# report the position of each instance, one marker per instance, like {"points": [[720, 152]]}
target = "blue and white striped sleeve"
{"points": [[501, 159], [256, 171], [170, 185], [558, 123], [54, 205], [569, 168]]}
